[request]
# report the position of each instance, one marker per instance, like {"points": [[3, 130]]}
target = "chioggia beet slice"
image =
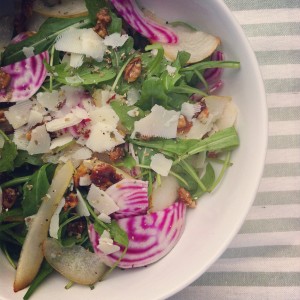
{"points": [[131, 196], [26, 77], [151, 236]]}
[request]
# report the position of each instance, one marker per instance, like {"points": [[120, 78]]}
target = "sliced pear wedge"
{"points": [[75, 263], [60, 9], [32, 254], [199, 44]]}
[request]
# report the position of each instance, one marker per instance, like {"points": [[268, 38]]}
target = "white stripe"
{"points": [[276, 184], [283, 100], [284, 128], [274, 211], [256, 264], [280, 71], [283, 156], [266, 239], [275, 43], [267, 16], [239, 292]]}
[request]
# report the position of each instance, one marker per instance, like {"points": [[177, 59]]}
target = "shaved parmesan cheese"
{"points": [[104, 218], [133, 113], [61, 141], [160, 164], [64, 122], [34, 118], [28, 51], [133, 96], [85, 180], [40, 141], [49, 100], [189, 110], [102, 97], [76, 60], [104, 114], [28, 220], [81, 208], [115, 40], [54, 223], [171, 70], [81, 41], [103, 137], [80, 113], [20, 139], [199, 128], [106, 244], [101, 201], [82, 153], [18, 114], [159, 123]]}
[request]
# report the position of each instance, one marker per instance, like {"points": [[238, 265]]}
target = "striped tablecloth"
{"points": [[263, 261]]}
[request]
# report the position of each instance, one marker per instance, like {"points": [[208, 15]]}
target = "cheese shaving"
{"points": [[54, 223], [61, 141], [39, 141], [160, 164], [115, 40], [159, 123], [18, 114]]}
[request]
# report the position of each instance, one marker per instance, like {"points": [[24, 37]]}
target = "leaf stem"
{"points": [[15, 181]]}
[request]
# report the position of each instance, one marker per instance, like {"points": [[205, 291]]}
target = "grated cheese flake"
{"points": [[39, 141], [104, 114], [104, 218], [61, 141], [159, 123], [68, 120], [18, 114], [81, 208], [49, 100], [101, 201], [115, 40], [28, 51], [106, 244], [160, 164], [103, 137]]}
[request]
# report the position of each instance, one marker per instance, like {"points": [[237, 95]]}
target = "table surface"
{"points": [[263, 260]]}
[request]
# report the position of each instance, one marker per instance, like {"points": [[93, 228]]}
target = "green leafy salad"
{"points": [[113, 125]]}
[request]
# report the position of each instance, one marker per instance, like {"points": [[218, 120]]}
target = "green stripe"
{"points": [[263, 4], [289, 85], [278, 57], [281, 170], [277, 198], [284, 113], [248, 279], [273, 29], [271, 225], [284, 141], [263, 251]]}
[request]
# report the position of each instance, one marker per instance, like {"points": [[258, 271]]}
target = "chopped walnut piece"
{"points": [[80, 171], [133, 70], [104, 175], [186, 198], [71, 201], [184, 126], [4, 80], [103, 20], [116, 153], [9, 197]]}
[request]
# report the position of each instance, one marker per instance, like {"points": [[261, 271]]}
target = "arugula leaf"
{"points": [[121, 109], [7, 154], [118, 234], [24, 157], [34, 190], [153, 92], [207, 179], [223, 140], [127, 162], [85, 75], [43, 40]]}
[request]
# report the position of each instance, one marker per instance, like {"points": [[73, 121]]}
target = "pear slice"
{"points": [[199, 44], [75, 263], [32, 254], [60, 9]]}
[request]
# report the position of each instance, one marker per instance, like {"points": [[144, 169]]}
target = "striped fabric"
{"points": [[263, 261]]}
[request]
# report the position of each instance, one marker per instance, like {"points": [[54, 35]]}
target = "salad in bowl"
{"points": [[113, 125]]}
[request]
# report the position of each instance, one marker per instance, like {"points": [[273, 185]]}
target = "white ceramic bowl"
{"points": [[218, 217]]}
